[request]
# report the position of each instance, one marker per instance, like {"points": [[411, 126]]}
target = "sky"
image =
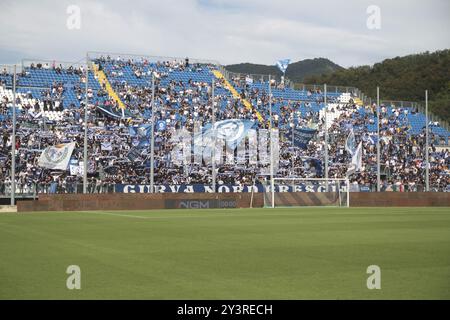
{"points": [[231, 31]]}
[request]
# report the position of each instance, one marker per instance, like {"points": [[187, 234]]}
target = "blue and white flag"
{"points": [[356, 164], [232, 131], [56, 157], [74, 167], [283, 64], [143, 143], [302, 136], [315, 163], [350, 143], [161, 125], [106, 146], [132, 131], [371, 139], [117, 114], [134, 154], [142, 131]]}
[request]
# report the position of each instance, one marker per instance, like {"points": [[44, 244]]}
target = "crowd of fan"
{"points": [[182, 104]]}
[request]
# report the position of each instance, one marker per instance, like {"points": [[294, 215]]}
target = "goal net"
{"points": [[299, 192]]}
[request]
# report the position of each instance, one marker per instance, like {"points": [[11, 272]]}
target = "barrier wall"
{"points": [[400, 199], [121, 201], [145, 201]]}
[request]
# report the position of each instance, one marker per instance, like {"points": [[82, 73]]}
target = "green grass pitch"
{"points": [[297, 253]]}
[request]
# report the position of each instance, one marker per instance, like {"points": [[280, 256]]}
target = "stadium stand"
{"points": [[119, 95]]}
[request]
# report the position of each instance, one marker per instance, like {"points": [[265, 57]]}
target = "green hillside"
{"points": [[401, 78], [296, 71]]}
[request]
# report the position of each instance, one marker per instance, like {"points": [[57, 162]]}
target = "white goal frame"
{"points": [[347, 184]]}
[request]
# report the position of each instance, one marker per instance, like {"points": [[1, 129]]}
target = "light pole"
{"points": [[272, 183], [427, 165], [214, 138], [13, 142], [152, 143], [85, 153], [326, 135], [378, 142], [13, 137]]}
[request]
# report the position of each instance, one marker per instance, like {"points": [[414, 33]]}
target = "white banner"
{"points": [[56, 157]]}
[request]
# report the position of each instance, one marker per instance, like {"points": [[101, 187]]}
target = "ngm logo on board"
{"points": [[200, 204]]}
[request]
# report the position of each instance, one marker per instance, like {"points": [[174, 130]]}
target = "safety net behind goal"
{"points": [[294, 192]]}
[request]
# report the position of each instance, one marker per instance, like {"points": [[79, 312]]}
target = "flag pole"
{"points": [[85, 127], [293, 145], [214, 139], [378, 142], [272, 184], [427, 165], [152, 143], [326, 135], [13, 142]]}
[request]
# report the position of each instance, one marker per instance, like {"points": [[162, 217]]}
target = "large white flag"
{"points": [[56, 157], [356, 164]]}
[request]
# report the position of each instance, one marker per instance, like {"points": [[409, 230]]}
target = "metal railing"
{"points": [[289, 83], [150, 58], [31, 190], [392, 187], [26, 63], [10, 68]]}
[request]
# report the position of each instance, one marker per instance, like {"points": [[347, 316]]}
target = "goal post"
{"points": [[300, 192]]}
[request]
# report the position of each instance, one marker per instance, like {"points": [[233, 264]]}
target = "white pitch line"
{"points": [[150, 217], [194, 216], [117, 214]]}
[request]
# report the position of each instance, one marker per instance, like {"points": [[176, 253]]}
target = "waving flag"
{"points": [[111, 112], [106, 146], [283, 64], [143, 130], [161, 125], [350, 143], [302, 136], [142, 134], [134, 155], [316, 164], [231, 130], [74, 168], [56, 157], [356, 164]]}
